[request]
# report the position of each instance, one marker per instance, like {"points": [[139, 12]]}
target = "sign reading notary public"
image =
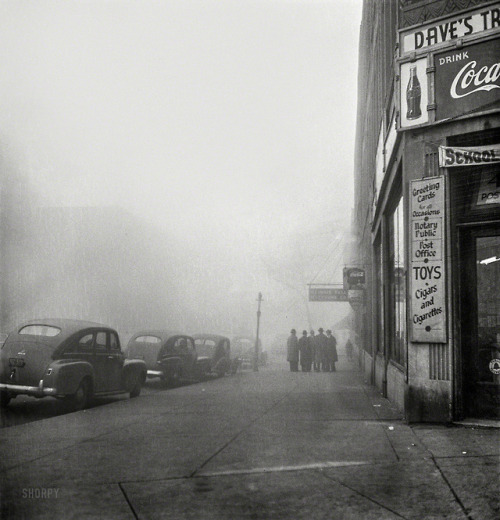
{"points": [[427, 276]]}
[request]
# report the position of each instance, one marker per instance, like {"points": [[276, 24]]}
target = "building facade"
{"points": [[426, 221]]}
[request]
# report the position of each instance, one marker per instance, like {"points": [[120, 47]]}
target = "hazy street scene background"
{"points": [[163, 162]]}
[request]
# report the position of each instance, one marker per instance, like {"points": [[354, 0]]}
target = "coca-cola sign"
{"points": [[467, 80]]}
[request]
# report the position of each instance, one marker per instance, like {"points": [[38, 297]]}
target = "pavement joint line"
{"points": [[446, 481], [450, 487], [128, 501], [232, 439], [362, 495]]}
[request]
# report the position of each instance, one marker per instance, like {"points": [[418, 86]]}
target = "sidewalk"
{"points": [[271, 444]]}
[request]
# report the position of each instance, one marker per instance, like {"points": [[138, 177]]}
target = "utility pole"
{"points": [[256, 351]]}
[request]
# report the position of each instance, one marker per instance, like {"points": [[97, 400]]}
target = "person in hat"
{"points": [[314, 351], [331, 343], [292, 351], [305, 352], [322, 350]]}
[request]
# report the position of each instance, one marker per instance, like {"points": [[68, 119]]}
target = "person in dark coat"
{"points": [[314, 351], [322, 346], [332, 350], [305, 352], [292, 351]]}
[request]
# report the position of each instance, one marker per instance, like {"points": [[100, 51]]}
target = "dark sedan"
{"points": [[217, 349], [70, 359], [168, 355]]}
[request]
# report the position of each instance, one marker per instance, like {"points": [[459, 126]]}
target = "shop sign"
{"points": [[327, 294], [354, 278], [489, 189], [460, 26], [413, 93], [468, 155], [467, 80], [427, 269]]}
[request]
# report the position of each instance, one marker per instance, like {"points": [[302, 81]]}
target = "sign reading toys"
{"points": [[427, 273], [467, 80]]}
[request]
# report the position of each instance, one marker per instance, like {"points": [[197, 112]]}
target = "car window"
{"points": [[114, 344], [199, 342], [147, 339], [190, 345], [40, 330], [85, 343], [181, 345], [100, 341]]}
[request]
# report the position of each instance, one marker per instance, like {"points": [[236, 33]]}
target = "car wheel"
{"points": [[81, 398], [172, 378], [4, 398], [136, 390]]}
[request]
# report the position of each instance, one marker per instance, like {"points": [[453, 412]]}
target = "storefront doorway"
{"points": [[480, 319]]}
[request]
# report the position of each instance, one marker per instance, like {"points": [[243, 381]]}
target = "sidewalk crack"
{"points": [[362, 495], [234, 437], [128, 501]]}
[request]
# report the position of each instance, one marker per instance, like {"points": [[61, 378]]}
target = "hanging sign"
{"points": [[354, 278], [468, 155], [327, 294], [427, 273]]}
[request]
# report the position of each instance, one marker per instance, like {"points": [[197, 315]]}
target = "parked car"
{"points": [[244, 352], [168, 355], [217, 349], [68, 359]]}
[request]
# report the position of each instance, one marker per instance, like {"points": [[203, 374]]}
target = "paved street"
{"points": [[271, 444]]}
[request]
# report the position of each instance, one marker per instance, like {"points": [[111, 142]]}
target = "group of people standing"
{"points": [[318, 351]]}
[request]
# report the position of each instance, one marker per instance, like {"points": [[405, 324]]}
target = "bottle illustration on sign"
{"points": [[413, 95]]}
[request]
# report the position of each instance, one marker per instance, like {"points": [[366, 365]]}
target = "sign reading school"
{"points": [[427, 274]]}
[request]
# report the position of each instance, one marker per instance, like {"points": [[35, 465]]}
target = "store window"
{"points": [[379, 297], [397, 285]]}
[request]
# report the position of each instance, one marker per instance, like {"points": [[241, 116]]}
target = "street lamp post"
{"points": [[256, 350]]}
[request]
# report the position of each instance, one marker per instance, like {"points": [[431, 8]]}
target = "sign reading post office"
{"points": [[427, 276]]}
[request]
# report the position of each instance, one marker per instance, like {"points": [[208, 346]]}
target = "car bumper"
{"points": [[155, 373], [35, 391]]}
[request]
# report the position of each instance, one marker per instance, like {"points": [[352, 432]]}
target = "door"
{"points": [[480, 320]]}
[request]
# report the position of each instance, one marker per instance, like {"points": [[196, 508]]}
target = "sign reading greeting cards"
{"points": [[427, 269]]}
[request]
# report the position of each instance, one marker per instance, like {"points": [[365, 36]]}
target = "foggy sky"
{"points": [[228, 123]]}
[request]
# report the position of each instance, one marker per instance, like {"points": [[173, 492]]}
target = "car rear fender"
{"points": [[133, 368], [66, 375]]}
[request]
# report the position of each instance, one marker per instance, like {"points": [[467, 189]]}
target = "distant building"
{"points": [[426, 221]]}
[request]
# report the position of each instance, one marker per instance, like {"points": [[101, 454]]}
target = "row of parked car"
{"points": [[76, 360]]}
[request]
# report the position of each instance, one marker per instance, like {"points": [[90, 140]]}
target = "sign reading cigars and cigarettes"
{"points": [[427, 273]]}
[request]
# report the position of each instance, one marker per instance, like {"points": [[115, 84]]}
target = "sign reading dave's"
{"points": [[467, 80], [459, 26], [427, 276]]}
